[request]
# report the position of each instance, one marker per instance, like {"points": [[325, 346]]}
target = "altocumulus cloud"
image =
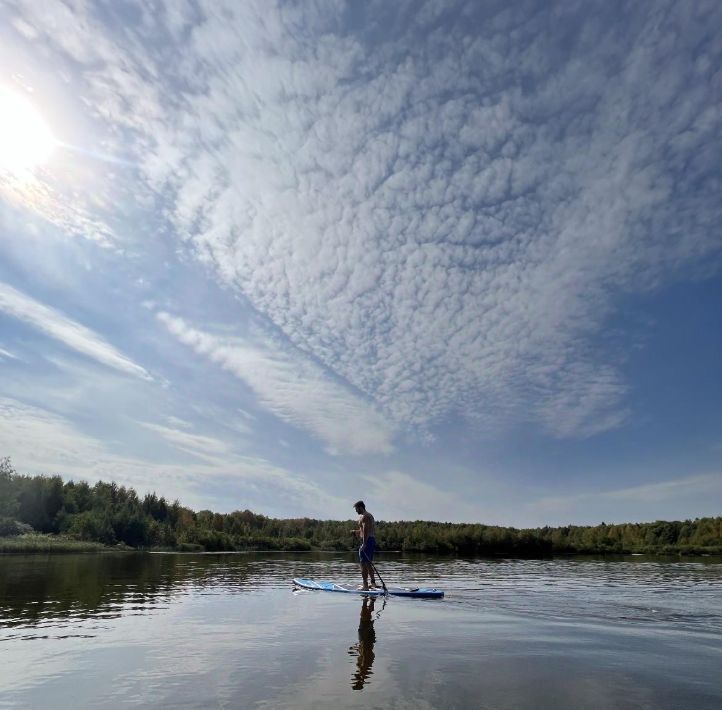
{"points": [[442, 203]]}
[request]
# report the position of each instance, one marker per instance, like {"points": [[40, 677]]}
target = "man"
{"points": [[367, 534]]}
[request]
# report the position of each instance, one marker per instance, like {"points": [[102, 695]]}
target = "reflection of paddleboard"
{"points": [[418, 592]]}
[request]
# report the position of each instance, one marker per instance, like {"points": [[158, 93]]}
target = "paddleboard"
{"points": [[416, 592]]}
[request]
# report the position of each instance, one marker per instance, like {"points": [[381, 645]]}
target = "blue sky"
{"points": [[461, 260]]}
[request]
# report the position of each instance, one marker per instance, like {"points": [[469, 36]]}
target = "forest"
{"points": [[116, 516]]}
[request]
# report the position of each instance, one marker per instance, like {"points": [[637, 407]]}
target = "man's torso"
{"points": [[367, 524]]}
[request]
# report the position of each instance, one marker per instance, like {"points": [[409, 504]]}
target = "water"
{"points": [[227, 631]]}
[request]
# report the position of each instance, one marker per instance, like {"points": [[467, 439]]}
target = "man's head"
{"points": [[359, 506]]}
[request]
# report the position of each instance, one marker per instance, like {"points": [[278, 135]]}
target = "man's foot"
{"points": [[363, 588], [373, 585]]}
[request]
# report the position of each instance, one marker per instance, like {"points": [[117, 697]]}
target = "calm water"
{"points": [[227, 631]]}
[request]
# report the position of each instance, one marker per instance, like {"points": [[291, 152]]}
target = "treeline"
{"points": [[113, 515]]}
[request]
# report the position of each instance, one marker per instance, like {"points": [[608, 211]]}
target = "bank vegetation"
{"points": [[46, 514]]}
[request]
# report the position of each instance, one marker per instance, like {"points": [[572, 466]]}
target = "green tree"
{"points": [[8, 491], [92, 525]]}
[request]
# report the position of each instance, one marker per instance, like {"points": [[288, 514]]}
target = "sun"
{"points": [[25, 139]]}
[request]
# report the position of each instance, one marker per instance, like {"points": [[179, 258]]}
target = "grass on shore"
{"points": [[36, 542]]}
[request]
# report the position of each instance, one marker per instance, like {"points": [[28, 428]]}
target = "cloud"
{"points": [[7, 355], [196, 444], [294, 389], [411, 499], [31, 433], [39, 441], [689, 496], [440, 245], [653, 492], [70, 333], [60, 208], [444, 213], [179, 423]]}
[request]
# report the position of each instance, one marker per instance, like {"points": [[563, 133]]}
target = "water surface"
{"points": [[222, 631]]}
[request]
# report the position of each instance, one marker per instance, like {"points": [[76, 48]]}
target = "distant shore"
{"points": [[48, 514], [48, 543]]}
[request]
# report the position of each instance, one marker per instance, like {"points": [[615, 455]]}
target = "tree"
{"points": [[39, 501], [92, 525], [8, 492]]}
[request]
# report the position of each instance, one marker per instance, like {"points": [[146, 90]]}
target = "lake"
{"points": [[127, 630]]}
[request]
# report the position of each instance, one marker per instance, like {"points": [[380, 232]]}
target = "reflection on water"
{"points": [[133, 630], [364, 649], [37, 589], [40, 592]]}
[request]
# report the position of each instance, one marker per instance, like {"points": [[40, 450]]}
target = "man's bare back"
{"points": [[366, 526]]}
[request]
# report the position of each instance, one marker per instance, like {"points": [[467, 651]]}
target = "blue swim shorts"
{"points": [[366, 552]]}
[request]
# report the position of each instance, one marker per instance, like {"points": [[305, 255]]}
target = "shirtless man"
{"points": [[367, 534]]}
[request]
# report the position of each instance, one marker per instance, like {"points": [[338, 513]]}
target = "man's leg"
{"points": [[369, 556], [365, 574], [368, 571]]}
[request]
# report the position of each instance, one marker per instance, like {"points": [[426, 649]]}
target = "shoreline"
{"points": [[55, 544]]}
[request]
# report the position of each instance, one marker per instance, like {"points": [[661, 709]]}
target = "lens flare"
{"points": [[25, 139]]}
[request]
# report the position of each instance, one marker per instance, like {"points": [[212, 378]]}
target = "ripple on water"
{"points": [[65, 591]]}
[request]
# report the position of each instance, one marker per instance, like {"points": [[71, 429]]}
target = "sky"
{"points": [[461, 260]]}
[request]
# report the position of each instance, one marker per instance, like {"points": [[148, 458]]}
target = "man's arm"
{"points": [[359, 531], [363, 530]]}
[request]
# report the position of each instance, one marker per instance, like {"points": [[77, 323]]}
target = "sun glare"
{"points": [[25, 139]]}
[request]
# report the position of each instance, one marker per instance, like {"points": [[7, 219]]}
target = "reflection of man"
{"points": [[365, 646]]}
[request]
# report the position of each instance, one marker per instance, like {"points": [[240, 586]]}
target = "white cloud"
{"points": [[39, 441], [195, 444], [7, 355], [686, 497], [178, 422], [63, 209], [445, 217], [404, 497], [73, 335], [438, 249], [294, 389], [710, 483], [707, 484]]}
